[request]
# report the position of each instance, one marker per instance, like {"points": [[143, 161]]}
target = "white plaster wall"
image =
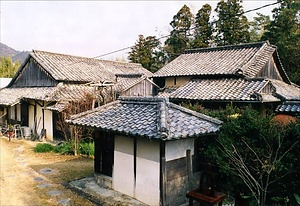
{"points": [[31, 116], [39, 119], [123, 171], [148, 167], [177, 149], [146, 186], [12, 112], [18, 112], [48, 124]]}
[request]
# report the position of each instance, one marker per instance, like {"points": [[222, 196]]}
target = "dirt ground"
{"points": [[29, 178]]}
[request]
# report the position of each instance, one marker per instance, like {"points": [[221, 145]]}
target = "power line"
{"points": [[213, 22]]}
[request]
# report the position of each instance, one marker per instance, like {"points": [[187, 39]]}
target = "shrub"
{"points": [[43, 147], [86, 149], [64, 148]]}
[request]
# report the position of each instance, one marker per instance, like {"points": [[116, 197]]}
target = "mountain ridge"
{"points": [[12, 53]]}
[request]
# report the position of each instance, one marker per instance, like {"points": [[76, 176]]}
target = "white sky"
{"points": [[93, 28]]}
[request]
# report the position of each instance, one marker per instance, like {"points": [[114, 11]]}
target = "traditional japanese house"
{"points": [[46, 82], [240, 74]]}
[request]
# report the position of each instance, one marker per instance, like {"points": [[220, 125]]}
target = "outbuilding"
{"points": [[147, 147]]}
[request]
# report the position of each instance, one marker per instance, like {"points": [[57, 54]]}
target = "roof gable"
{"points": [[70, 68], [155, 118]]}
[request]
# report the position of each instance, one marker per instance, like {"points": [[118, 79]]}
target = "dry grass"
{"points": [[65, 168]]}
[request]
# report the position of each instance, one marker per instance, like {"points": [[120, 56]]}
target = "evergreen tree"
{"points": [[180, 35], [7, 67], [146, 52], [203, 30], [284, 32], [258, 26], [232, 27]]}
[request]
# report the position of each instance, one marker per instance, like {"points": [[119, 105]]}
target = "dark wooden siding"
{"points": [[270, 71], [33, 75]]}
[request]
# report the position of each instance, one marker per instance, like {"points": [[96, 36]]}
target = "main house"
{"points": [[146, 147], [46, 82], [239, 74]]}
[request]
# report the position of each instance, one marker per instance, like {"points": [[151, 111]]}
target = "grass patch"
{"points": [[43, 147]]}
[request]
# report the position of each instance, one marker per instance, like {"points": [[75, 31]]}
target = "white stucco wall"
{"points": [[39, 118], [31, 116], [146, 186], [148, 167], [18, 117], [123, 172], [48, 124], [177, 149]]}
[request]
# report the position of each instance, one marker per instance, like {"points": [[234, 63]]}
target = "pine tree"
{"points": [[284, 32], [232, 27], [179, 39], [203, 28]]}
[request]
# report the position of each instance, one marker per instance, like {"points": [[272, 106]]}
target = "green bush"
{"points": [[86, 149], [64, 148], [43, 147]]}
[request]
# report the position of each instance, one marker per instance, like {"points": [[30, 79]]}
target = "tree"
{"points": [[203, 28], [232, 27], [7, 67], [258, 26], [255, 153], [75, 134], [146, 52], [284, 32], [179, 39]]}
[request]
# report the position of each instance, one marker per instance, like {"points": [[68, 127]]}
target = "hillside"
{"points": [[14, 54]]}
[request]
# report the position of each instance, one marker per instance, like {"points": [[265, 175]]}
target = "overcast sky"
{"points": [[93, 28]]}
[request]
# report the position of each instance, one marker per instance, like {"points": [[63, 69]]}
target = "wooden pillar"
{"points": [[189, 169]]}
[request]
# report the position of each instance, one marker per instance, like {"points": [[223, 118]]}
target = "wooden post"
{"points": [[163, 180], [189, 169]]}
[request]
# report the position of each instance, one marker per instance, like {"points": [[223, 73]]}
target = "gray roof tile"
{"points": [[225, 89], [226, 60], [151, 117], [64, 67], [289, 107], [60, 93]]}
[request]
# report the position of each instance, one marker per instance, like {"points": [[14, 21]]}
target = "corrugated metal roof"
{"points": [[150, 117], [248, 58], [64, 67], [226, 89]]}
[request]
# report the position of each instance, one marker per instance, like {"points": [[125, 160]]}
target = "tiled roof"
{"points": [[60, 93], [226, 60], [73, 68], [167, 91], [11, 96], [286, 91], [289, 107], [226, 89], [150, 117]]}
